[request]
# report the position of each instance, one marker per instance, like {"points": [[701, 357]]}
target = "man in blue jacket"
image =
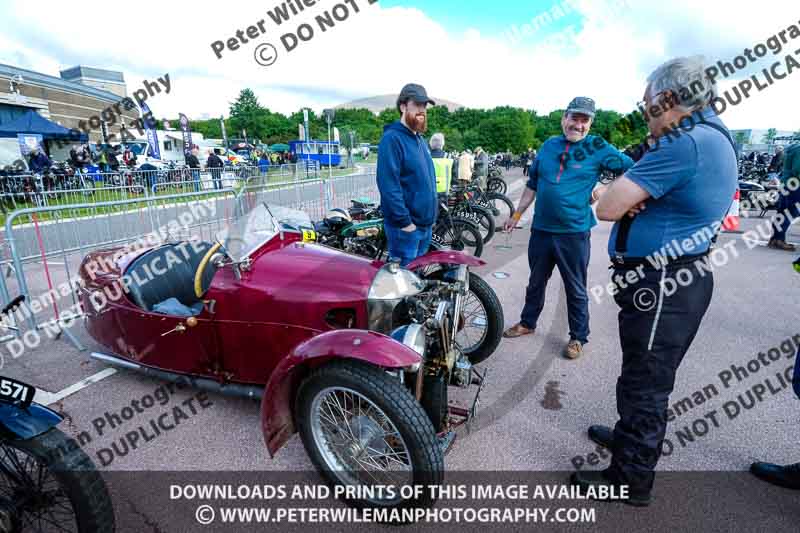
{"points": [[38, 161], [789, 202], [563, 177], [407, 178]]}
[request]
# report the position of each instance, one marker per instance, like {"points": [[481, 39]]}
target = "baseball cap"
{"points": [[582, 105], [415, 92]]}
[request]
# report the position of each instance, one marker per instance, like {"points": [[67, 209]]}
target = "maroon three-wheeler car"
{"points": [[356, 355]]}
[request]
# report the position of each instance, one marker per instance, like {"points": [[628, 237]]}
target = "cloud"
{"points": [[604, 50]]}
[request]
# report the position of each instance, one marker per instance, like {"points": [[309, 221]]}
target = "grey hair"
{"points": [[687, 79], [437, 141]]}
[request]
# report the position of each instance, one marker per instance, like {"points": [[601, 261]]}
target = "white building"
{"points": [[753, 139], [170, 143]]}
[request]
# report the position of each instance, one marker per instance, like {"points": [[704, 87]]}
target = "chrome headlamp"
{"points": [[391, 285], [413, 336]]}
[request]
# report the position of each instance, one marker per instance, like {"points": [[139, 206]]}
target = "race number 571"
{"points": [[11, 390]]}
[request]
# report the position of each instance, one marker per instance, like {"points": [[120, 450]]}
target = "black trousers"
{"points": [[658, 319]]}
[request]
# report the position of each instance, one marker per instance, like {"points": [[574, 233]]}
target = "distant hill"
{"points": [[376, 104]]}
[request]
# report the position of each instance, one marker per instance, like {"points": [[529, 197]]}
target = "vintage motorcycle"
{"points": [[359, 230], [480, 334], [354, 354], [47, 482]]}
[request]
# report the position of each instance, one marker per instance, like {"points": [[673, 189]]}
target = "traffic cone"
{"points": [[731, 222]]}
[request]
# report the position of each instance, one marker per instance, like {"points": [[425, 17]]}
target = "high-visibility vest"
{"points": [[444, 171]]}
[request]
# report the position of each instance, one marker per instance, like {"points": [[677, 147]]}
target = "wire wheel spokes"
{"points": [[465, 237], [39, 500], [475, 324], [357, 440]]}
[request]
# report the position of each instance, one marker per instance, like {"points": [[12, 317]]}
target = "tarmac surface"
{"points": [[532, 418]]}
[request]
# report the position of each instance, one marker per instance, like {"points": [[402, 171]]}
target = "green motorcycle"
{"points": [[360, 231]]}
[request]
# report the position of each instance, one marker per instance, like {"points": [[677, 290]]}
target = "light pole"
{"points": [[329, 114], [352, 147]]}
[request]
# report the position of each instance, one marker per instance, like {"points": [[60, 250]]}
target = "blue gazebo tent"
{"points": [[32, 122]]}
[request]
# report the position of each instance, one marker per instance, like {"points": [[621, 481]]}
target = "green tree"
{"points": [[387, 116], [247, 114], [740, 138], [769, 137]]}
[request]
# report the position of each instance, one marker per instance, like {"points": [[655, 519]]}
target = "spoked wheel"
{"points": [[485, 220], [496, 185], [501, 204], [481, 320], [462, 235], [47, 483], [482, 217], [361, 426]]}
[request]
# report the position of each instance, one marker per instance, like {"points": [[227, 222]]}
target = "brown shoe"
{"points": [[518, 330], [573, 350], [781, 245]]}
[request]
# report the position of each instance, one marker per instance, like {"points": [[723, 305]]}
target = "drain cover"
{"points": [[501, 275]]}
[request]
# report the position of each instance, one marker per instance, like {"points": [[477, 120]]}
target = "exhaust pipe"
{"points": [[228, 389]]}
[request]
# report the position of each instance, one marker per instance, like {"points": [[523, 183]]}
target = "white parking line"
{"points": [[46, 398], [765, 243]]}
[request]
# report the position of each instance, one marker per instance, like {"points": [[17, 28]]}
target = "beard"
{"points": [[418, 122]]}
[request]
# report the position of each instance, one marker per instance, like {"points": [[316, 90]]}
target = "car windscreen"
{"points": [[137, 148], [257, 226]]}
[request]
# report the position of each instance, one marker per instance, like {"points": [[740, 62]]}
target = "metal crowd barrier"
{"points": [[43, 245], [27, 190]]}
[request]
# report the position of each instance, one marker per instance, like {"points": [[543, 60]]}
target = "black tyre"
{"points": [[459, 234], [483, 219], [496, 185], [361, 426], [54, 476], [483, 320], [434, 399], [502, 204]]}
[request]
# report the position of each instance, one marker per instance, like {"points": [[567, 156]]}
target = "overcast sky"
{"points": [[465, 51]]}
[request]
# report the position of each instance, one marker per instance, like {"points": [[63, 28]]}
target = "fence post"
{"points": [[21, 283]]}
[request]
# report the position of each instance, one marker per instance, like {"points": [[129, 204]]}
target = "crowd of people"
{"points": [[112, 158], [663, 197], [106, 158], [773, 162]]}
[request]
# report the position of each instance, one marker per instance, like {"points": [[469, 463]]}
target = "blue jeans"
{"points": [[789, 206], [216, 175], [405, 246], [196, 178], [570, 252]]}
